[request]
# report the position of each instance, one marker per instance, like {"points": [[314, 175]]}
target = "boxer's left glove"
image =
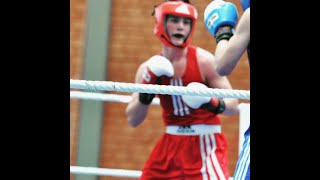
{"points": [[220, 18], [157, 66], [213, 105]]}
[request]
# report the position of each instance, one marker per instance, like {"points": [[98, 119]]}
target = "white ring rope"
{"points": [[108, 172], [158, 89], [105, 97], [105, 172]]}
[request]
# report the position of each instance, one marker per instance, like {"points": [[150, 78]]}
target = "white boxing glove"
{"points": [[196, 101], [157, 66], [213, 105]]}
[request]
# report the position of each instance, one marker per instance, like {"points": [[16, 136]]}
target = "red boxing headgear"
{"points": [[176, 8]]}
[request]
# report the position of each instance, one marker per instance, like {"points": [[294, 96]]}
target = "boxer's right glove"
{"points": [[220, 18], [157, 66]]}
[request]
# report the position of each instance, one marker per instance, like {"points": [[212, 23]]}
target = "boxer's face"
{"points": [[178, 29]]}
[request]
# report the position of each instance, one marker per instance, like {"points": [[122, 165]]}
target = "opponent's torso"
{"points": [[175, 112]]}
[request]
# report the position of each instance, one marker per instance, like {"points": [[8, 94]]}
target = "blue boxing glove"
{"points": [[245, 4], [220, 18]]}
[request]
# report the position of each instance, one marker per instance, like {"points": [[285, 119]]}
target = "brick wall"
{"points": [[77, 25]]}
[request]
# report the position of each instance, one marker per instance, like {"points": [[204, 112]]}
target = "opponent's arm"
{"points": [[228, 53]]}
